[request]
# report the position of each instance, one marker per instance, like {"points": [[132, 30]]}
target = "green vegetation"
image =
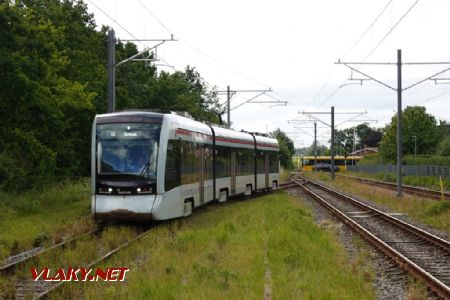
{"points": [[286, 148], [83, 252], [421, 134], [412, 160], [53, 81], [42, 218], [444, 147], [218, 253], [420, 181], [361, 136], [431, 212], [365, 137], [419, 129], [372, 160], [435, 160]]}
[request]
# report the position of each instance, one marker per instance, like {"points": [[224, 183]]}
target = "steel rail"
{"points": [[436, 285], [413, 229], [9, 267], [47, 292], [419, 191]]}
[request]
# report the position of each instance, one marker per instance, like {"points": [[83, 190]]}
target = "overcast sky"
{"points": [[291, 46]]}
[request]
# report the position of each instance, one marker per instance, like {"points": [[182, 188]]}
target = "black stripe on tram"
{"points": [[214, 162], [255, 160]]}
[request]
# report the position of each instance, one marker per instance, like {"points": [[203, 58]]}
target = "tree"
{"points": [[286, 146], [184, 91], [444, 147], [368, 136], [53, 82], [42, 110], [416, 122], [343, 141], [365, 136]]}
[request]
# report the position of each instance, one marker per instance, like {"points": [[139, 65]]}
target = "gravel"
{"points": [[390, 281]]}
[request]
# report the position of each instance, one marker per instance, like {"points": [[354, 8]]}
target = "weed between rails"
{"points": [[218, 253], [81, 254]]}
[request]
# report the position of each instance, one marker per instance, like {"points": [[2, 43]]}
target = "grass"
{"points": [[430, 212], [218, 253], [284, 175], [436, 160], [420, 181], [81, 254], [427, 160], [42, 218]]}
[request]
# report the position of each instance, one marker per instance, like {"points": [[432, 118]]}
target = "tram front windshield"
{"points": [[129, 149]]}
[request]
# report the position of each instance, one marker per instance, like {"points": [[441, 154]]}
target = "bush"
{"points": [[427, 160], [373, 160], [25, 162], [444, 147]]}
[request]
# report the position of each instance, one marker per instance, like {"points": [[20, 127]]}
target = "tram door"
{"points": [[266, 169], [233, 172], [207, 177]]}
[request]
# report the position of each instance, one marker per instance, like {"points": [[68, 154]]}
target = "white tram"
{"points": [[157, 166]]}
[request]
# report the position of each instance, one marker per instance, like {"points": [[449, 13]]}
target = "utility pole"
{"points": [[399, 90], [315, 143], [228, 106], [111, 71], [332, 143], [230, 93], [399, 123], [111, 63], [415, 145], [311, 116]]}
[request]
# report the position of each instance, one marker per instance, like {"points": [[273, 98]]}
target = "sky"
{"points": [[291, 47]]}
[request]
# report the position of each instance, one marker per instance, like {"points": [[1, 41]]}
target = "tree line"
{"points": [[53, 81], [422, 134]]}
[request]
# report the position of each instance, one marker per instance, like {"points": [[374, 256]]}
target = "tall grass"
{"points": [[432, 182], [218, 253], [40, 218], [427, 160], [431, 212], [436, 160]]}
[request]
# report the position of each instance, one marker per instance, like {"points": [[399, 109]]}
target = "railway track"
{"points": [[424, 255], [26, 288], [14, 262], [414, 190], [46, 289]]}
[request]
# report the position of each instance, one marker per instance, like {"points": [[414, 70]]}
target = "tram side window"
{"points": [[208, 158], [190, 162], [172, 177], [273, 162], [245, 162], [223, 160], [260, 162]]}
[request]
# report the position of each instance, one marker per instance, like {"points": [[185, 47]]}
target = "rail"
{"points": [[420, 268], [414, 190]]}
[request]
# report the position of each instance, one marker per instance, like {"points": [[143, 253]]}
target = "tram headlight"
{"points": [[105, 190]]}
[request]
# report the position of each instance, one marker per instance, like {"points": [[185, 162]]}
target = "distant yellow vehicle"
{"points": [[306, 163]]}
